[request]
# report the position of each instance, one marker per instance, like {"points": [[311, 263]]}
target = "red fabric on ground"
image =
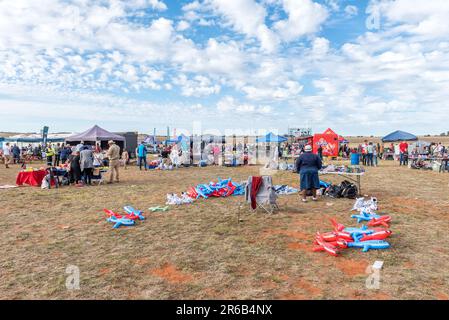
{"points": [[255, 186], [33, 178]]}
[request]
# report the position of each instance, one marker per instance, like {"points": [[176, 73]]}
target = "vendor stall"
{"points": [[97, 135], [328, 141]]}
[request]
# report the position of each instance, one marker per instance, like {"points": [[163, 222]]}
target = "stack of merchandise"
{"points": [[222, 188], [366, 238]]}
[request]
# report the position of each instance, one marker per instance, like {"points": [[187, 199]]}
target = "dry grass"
{"points": [[200, 251]]}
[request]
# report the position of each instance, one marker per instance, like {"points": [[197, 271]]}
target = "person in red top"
{"points": [[403, 153]]}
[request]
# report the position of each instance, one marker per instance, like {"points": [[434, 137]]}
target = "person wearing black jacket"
{"points": [[75, 167], [308, 165]]}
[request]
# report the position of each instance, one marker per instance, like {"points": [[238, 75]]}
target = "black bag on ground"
{"points": [[349, 190], [334, 191], [345, 189]]}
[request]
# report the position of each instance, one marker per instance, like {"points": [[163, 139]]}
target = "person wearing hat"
{"points": [[114, 161], [308, 165]]}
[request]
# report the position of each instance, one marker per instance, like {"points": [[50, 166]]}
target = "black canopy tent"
{"points": [[97, 135]]}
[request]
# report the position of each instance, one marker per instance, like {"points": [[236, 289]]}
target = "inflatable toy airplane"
{"points": [[322, 245], [379, 235], [133, 213], [154, 209], [382, 221], [370, 244], [364, 216]]}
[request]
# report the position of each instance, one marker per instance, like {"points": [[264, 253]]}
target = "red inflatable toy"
{"points": [[111, 213], [322, 245], [382, 221], [379, 235]]}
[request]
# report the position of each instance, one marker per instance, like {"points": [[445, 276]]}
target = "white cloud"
{"points": [[289, 90], [197, 87], [247, 17], [230, 104], [351, 11], [425, 18], [304, 17], [182, 25]]}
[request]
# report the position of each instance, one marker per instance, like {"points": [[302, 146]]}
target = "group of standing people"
{"points": [[11, 154], [83, 159], [370, 153]]}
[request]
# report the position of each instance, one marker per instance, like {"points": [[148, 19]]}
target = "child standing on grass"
{"points": [[125, 158], [375, 156]]}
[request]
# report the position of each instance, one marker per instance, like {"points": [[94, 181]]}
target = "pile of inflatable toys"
{"points": [[129, 219], [222, 188], [174, 199], [367, 237]]}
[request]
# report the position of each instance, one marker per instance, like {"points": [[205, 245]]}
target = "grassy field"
{"points": [[200, 251]]}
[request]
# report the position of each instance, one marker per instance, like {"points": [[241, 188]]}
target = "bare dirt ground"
{"points": [[200, 251]]}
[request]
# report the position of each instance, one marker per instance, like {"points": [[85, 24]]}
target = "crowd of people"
{"points": [[79, 161], [370, 153]]}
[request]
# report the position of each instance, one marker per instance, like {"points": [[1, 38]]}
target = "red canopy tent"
{"points": [[329, 142]]}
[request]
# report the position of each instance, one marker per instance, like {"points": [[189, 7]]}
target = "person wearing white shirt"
{"points": [[7, 155]]}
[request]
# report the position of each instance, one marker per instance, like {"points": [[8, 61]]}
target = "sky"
{"points": [[362, 67]]}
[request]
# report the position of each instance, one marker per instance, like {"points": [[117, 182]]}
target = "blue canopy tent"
{"points": [[271, 138], [399, 136]]}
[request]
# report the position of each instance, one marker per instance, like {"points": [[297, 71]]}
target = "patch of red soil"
{"points": [[307, 286], [351, 267], [442, 296], [291, 296], [268, 284], [299, 246], [104, 271], [409, 265], [284, 277], [380, 296], [171, 274], [290, 233]]}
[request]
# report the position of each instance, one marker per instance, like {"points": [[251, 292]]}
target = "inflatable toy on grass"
{"points": [[379, 235], [378, 220], [120, 222], [222, 188], [133, 213], [342, 237], [118, 219], [369, 206], [154, 209], [370, 244], [126, 220], [382, 221], [174, 199], [323, 245]]}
